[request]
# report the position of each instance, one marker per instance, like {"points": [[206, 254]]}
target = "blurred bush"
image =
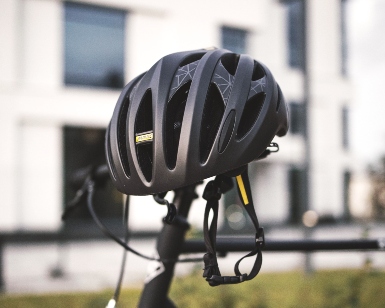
{"points": [[342, 288]]}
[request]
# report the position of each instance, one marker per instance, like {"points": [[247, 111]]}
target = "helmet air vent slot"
{"points": [[280, 97], [109, 153], [122, 135], [192, 58], [144, 128], [258, 71], [212, 116], [174, 120], [230, 62], [250, 114]]}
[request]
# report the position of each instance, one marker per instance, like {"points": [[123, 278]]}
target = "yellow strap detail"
{"points": [[242, 189]]}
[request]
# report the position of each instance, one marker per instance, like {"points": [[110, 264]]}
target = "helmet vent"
{"points": [[258, 71], [143, 123], [212, 115], [191, 58], [122, 135], [250, 114], [109, 153], [279, 98], [174, 119], [230, 62]]}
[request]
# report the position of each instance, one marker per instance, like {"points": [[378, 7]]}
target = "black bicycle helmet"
{"points": [[193, 115]]}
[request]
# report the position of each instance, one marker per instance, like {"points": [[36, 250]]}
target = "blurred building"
{"points": [[63, 63]]}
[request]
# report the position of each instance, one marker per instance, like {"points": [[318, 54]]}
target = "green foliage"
{"points": [[342, 288], [128, 298]]}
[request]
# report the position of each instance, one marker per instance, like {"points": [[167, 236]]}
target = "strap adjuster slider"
{"points": [[260, 238]]}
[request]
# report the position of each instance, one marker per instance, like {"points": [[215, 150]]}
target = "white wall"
{"points": [[40, 191], [270, 191], [9, 157], [42, 44], [10, 49], [328, 93]]}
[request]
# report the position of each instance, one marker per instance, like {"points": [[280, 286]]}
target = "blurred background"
{"points": [[62, 66]]}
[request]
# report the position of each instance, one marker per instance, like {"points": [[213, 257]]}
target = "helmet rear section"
{"points": [[193, 115]]}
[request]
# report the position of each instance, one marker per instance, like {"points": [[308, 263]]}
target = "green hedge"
{"points": [[322, 289], [342, 288]]}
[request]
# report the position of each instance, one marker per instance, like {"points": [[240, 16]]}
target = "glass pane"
{"points": [[234, 39], [345, 127], [346, 192], [236, 217], [94, 46], [295, 33], [298, 194], [297, 118], [84, 147], [344, 43]]}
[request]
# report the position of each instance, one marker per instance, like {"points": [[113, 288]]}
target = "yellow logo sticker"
{"points": [[144, 137]]}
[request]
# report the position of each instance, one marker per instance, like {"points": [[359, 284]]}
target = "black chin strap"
{"points": [[212, 194]]}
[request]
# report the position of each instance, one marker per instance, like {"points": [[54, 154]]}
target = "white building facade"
{"points": [[42, 105]]}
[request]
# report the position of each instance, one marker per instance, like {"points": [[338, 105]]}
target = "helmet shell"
{"points": [[193, 115]]}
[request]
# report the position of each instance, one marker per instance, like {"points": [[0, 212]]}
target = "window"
{"points": [[346, 191], [297, 118], [94, 46], [298, 194], [345, 128], [344, 43], [84, 147], [296, 32], [234, 39], [236, 217]]}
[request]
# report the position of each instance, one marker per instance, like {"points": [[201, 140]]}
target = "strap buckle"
{"points": [[216, 280], [212, 191], [171, 209], [260, 238]]}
